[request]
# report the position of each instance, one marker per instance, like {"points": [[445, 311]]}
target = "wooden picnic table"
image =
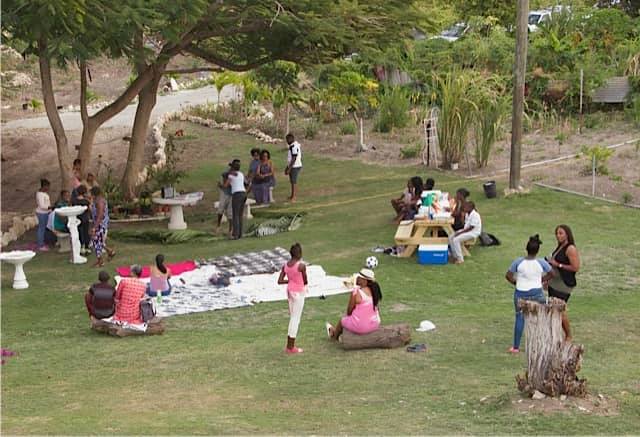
{"points": [[412, 233]]}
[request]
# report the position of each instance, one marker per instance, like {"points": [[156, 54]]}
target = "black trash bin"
{"points": [[490, 189]]}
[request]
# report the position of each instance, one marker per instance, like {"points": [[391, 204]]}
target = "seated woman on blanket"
{"points": [[129, 293], [159, 278], [362, 311]]}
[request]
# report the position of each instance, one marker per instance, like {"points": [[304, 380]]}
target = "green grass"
{"points": [[224, 372]]}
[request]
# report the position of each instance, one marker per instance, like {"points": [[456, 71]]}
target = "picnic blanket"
{"points": [[250, 263], [176, 269], [192, 292]]}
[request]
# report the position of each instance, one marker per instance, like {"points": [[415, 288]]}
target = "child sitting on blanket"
{"points": [[294, 274]]}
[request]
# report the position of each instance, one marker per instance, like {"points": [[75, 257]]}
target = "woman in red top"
{"points": [[128, 295]]}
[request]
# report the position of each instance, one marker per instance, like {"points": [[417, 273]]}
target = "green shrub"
{"points": [[347, 128], [92, 96], [632, 111], [626, 197], [411, 151], [601, 155], [393, 111], [311, 129], [35, 104]]}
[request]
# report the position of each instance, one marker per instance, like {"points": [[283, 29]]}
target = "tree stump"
{"points": [[552, 362], [385, 337], [154, 327]]}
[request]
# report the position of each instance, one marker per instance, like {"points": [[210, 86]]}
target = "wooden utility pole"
{"points": [[519, 70]]}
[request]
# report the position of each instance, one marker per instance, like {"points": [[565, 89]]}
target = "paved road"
{"points": [[167, 103]]}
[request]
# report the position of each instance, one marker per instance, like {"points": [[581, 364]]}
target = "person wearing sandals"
{"points": [[362, 315], [565, 261], [294, 275], [159, 278], [100, 214], [527, 274]]}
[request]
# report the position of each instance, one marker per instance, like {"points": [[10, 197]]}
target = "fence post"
{"points": [[593, 175], [581, 91]]}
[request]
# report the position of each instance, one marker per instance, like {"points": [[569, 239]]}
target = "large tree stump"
{"points": [[385, 337], [154, 327], [552, 362]]}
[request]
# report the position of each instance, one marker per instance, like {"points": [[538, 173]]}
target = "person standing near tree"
{"points": [[294, 164], [235, 180], [565, 261]]}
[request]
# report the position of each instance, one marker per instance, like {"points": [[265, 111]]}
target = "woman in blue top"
{"points": [[527, 274], [100, 214]]}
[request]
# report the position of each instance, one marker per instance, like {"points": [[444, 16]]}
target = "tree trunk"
{"points": [[62, 144], [386, 337], [552, 363], [362, 147], [146, 103], [89, 126], [519, 71], [287, 114]]}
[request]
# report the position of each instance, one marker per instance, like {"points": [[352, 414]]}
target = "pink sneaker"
{"points": [[293, 350], [513, 350], [43, 248]]}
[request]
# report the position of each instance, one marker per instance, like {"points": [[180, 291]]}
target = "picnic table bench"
{"points": [[413, 233]]}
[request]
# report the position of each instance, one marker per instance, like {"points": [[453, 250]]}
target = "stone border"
{"points": [[19, 227], [159, 142]]}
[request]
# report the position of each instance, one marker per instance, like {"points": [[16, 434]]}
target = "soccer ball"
{"points": [[371, 262]]}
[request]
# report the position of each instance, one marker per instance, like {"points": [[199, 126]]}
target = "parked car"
{"points": [[539, 17]]}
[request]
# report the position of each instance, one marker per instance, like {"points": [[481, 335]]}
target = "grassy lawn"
{"points": [[225, 372]]}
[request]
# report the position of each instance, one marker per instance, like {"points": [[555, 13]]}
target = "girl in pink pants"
{"points": [[294, 274]]}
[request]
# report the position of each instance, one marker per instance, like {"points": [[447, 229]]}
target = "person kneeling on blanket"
{"points": [[129, 293], [362, 311], [100, 298]]}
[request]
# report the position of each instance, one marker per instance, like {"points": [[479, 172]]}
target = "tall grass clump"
{"points": [[493, 107], [393, 111], [456, 114]]}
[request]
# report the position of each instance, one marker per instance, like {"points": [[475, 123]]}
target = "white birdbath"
{"points": [[72, 213], [176, 218], [18, 258]]}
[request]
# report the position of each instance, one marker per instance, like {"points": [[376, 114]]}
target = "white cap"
{"points": [[426, 325], [367, 274]]}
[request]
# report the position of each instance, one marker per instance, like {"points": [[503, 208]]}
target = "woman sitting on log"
{"points": [[362, 311], [129, 293], [527, 274]]}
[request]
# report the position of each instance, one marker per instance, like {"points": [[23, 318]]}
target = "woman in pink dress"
{"points": [[362, 312]]}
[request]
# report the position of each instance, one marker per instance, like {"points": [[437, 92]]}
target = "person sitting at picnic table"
{"points": [[100, 299], [429, 184], [129, 292], [362, 315], [410, 209], [456, 208], [262, 179], [472, 229], [404, 198], [159, 278]]}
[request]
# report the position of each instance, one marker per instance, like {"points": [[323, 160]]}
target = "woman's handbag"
{"points": [[147, 310]]}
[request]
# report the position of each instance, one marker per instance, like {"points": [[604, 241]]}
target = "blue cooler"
{"points": [[433, 254]]}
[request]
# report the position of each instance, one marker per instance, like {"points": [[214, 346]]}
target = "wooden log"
{"points": [[385, 337], [552, 362], [154, 327]]}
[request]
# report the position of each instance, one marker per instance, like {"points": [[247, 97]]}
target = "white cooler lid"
{"points": [[432, 247]]}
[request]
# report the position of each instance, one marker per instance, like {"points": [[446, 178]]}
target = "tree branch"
{"points": [[193, 70], [84, 114], [228, 65]]}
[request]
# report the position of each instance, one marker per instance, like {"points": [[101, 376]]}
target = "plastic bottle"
{"points": [[159, 298]]}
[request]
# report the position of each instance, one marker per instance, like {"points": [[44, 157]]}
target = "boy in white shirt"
{"points": [[472, 229], [294, 164]]}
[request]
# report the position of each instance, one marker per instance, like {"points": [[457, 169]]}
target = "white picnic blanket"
{"points": [[192, 292]]}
